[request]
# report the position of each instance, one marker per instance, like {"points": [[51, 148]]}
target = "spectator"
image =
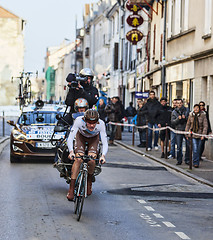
{"points": [[113, 111], [209, 131], [151, 110], [118, 135], [179, 119], [164, 120], [141, 121], [101, 110], [130, 113], [197, 123], [173, 134]]}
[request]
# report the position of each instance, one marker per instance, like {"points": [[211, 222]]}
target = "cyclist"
{"points": [[86, 129]]}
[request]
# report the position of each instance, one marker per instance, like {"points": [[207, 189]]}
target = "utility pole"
{"points": [[75, 43], [163, 71]]}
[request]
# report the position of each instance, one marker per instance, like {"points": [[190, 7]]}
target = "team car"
{"points": [[31, 136]]}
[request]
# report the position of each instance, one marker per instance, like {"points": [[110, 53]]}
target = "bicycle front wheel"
{"points": [[80, 199]]}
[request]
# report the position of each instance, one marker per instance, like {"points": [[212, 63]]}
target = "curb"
{"points": [[177, 169], [2, 141]]}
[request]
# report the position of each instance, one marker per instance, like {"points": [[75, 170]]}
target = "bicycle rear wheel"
{"points": [[81, 197]]}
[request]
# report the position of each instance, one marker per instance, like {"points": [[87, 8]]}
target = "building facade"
{"points": [[174, 57], [12, 55]]}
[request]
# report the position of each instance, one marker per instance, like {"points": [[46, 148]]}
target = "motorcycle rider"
{"points": [[80, 106], [86, 128], [84, 89]]}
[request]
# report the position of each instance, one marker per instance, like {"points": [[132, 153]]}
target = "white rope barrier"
{"points": [[210, 136]]}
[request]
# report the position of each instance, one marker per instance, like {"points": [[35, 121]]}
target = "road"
{"points": [[133, 198]]}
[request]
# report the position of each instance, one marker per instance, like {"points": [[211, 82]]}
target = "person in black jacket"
{"points": [[141, 121], [114, 114], [130, 113], [164, 119], [85, 90], [101, 110], [202, 145], [151, 109], [179, 119]]}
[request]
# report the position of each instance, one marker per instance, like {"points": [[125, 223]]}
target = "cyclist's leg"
{"points": [[79, 151], [93, 147]]}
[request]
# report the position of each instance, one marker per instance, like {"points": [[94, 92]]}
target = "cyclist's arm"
{"points": [[104, 139], [72, 134]]}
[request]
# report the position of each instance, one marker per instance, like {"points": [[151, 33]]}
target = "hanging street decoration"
{"points": [[134, 36], [134, 20], [133, 8]]}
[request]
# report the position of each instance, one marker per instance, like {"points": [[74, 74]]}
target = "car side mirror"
{"points": [[10, 122]]}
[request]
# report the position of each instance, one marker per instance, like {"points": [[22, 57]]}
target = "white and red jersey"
{"points": [[80, 125]]}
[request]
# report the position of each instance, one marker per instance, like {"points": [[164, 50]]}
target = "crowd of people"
{"points": [[158, 114]]}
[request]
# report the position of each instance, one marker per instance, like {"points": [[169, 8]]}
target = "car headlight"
{"points": [[18, 135]]}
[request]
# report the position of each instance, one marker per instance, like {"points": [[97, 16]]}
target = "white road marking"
{"points": [[157, 215], [182, 235], [141, 201], [149, 208], [149, 220], [169, 224]]}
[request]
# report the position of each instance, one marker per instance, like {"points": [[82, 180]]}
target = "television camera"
{"points": [[75, 79]]}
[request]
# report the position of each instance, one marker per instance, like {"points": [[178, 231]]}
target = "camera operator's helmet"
{"points": [[91, 116], [87, 72], [81, 103]]}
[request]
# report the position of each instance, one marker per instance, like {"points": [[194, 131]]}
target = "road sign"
{"points": [[141, 94], [134, 20], [134, 36]]}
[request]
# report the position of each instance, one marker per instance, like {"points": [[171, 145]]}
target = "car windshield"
{"points": [[28, 118]]}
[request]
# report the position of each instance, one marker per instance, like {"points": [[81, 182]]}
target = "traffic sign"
{"points": [[141, 94]]}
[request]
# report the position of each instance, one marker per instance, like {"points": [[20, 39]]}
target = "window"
{"points": [[208, 16], [178, 16], [182, 15], [126, 55], [154, 39], [116, 46], [173, 17], [28, 118]]}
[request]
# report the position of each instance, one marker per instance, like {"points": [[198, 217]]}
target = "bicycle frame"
{"points": [[80, 191]]}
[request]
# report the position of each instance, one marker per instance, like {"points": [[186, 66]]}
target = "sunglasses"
{"points": [[202, 105]]}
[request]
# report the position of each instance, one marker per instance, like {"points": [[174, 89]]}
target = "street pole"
{"points": [[3, 124], [163, 70], [75, 43], [135, 69]]}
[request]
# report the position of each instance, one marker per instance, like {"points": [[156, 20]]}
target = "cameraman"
{"points": [[80, 87]]}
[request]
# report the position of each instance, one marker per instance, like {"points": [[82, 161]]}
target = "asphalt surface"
{"points": [[133, 198]]}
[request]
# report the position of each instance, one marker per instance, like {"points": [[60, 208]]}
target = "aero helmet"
{"points": [[91, 116], [81, 103]]}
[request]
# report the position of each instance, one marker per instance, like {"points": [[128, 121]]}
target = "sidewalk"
{"points": [[203, 174]]}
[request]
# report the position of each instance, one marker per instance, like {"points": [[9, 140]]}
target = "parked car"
{"points": [[31, 135]]}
